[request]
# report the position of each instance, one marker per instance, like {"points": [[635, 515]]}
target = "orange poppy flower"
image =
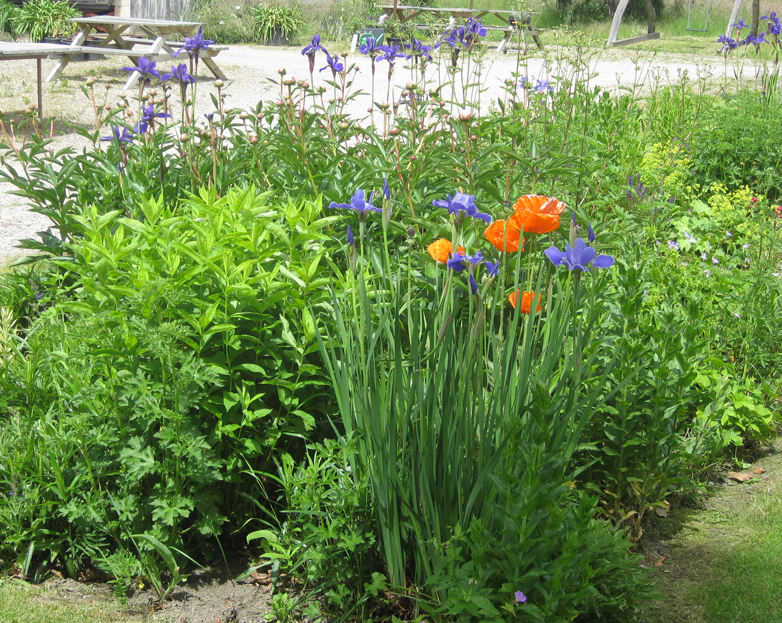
{"points": [[526, 301], [537, 214], [504, 238], [440, 250]]}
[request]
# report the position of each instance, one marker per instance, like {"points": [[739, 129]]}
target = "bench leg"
{"points": [[212, 66], [57, 71], [40, 95], [503, 47]]}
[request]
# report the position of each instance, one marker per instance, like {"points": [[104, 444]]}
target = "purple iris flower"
{"points": [[370, 47], [179, 73], [145, 67], [591, 234], [459, 261], [312, 47], [148, 116], [194, 45], [121, 136], [524, 82], [462, 203], [728, 44], [580, 256], [351, 240], [359, 203], [391, 53], [386, 190], [420, 50], [310, 50], [333, 62], [740, 25], [492, 269]]}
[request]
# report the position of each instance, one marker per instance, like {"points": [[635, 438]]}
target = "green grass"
{"points": [[724, 562], [25, 603]]}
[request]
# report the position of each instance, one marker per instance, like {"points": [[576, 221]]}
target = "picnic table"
{"points": [[37, 51], [119, 41], [405, 13]]}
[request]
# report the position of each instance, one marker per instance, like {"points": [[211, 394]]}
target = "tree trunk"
{"points": [[755, 18], [653, 15]]}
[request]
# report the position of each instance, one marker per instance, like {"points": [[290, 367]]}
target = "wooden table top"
{"points": [[133, 21], [15, 50], [431, 9]]}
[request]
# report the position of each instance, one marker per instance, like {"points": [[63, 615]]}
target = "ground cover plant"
{"points": [[435, 363]]}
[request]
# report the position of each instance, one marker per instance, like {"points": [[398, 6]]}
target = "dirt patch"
{"points": [[208, 596]]}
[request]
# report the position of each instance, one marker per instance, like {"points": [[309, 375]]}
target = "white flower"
{"points": [[737, 315]]}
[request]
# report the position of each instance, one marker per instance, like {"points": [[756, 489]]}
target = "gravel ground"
{"points": [[253, 76]]}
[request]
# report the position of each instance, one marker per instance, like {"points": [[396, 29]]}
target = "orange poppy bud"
{"points": [[526, 301], [537, 214], [504, 237], [440, 250]]}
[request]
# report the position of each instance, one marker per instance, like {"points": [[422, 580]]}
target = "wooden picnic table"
{"points": [[406, 13], [118, 41], [37, 51]]}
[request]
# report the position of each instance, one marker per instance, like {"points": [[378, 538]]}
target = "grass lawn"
{"points": [[722, 562]]}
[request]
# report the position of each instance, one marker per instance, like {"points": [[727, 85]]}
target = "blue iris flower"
{"points": [[148, 116], [179, 73], [333, 62], [462, 203], [119, 135], [580, 256], [194, 45], [359, 203], [145, 67]]}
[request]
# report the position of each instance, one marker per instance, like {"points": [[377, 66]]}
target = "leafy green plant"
{"points": [[44, 18], [8, 16], [163, 586], [275, 21]]}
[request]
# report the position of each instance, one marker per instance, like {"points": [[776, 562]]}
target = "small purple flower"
{"points": [[145, 67], [351, 240], [179, 73], [358, 203], [492, 269], [520, 597], [728, 44], [737, 314], [309, 50], [370, 47], [121, 136], [148, 116], [194, 45], [728, 234], [591, 233], [714, 260], [704, 256], [690, 238], [672, 244], [391, 53], [543, 86], [745, 246], [524, 82], [386, 190], [707, 272], [462, 203], [460, 262], [740, 25], [578, 256], [333, 62]]}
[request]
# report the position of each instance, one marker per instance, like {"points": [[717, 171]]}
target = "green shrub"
{"points": [[44, 18], [228, 21], [272, 22]]}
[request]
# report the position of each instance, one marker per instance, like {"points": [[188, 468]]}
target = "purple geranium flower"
{"points": [[578, 256], [462, 203], [145, 67], [358, 203], [542, 86]]}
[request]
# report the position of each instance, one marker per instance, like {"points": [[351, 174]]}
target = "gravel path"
{"points": [[254, 76]]}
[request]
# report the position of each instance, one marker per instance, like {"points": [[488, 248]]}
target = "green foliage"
{"points": [[275, 21], [189, 351], [8, 16], [225, 23], [44, 18], [736, 147]]}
